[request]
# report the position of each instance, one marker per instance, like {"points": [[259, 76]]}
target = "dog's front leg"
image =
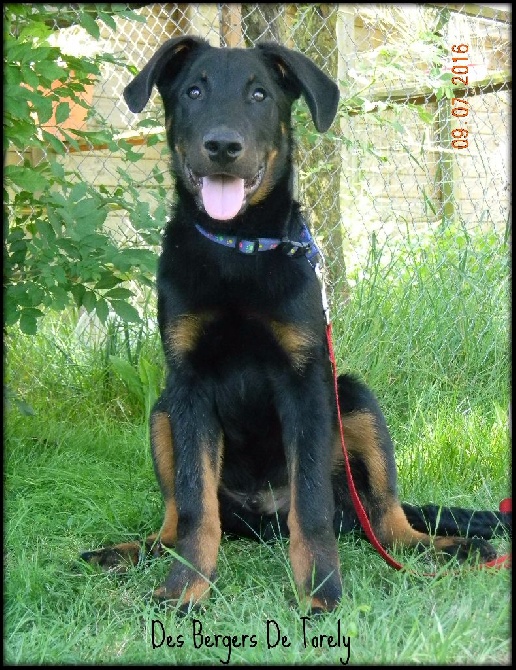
{"points": [[307, 419], [197, 449]]}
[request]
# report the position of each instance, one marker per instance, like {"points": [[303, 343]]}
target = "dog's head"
{"points": [[228, 116]]}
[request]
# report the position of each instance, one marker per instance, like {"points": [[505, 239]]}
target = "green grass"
{"points": [[433, 344]]}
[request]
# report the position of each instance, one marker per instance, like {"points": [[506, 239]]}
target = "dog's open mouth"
{"points": [[223, 195]]}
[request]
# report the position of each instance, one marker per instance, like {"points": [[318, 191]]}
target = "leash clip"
{"points": [[319, 268], [293, 249]]}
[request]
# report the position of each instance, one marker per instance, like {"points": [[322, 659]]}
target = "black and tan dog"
{"points": [[245, 437]]}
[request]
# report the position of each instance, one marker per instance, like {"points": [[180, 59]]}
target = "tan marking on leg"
{"points": [[361, 439], [210, 531], [167, 535], [395, 529], [301, 557], [163, 454], [199, 590], [203, 546], [163, 451], [168, 532]]}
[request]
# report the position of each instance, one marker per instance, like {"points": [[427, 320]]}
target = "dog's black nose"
{"points": [[223, 145]]}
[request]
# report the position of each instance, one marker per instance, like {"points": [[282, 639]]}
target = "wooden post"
{"points": [[445, 161], [348, 172], [445, 158], [204, 21], [231, 25]]}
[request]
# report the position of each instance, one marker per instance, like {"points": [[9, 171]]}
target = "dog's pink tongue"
{"points": [[222, 196]]}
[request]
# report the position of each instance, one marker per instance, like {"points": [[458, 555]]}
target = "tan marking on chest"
{"points": [[298, 344], [182, 336]]}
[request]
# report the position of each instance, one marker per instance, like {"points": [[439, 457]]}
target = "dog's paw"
{"points": [[184, 588], [467, 549], [117, 559]]}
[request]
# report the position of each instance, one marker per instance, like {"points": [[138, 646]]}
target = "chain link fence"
{"points": [[420, 147]]}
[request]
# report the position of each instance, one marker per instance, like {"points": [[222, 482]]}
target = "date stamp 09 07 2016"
{"points": [[460, 106]]}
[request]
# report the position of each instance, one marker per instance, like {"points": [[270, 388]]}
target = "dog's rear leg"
{"points": [[124, 555], [373, 466], [396, 530]]}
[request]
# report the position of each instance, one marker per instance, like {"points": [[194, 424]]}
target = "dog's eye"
{"points": [[259, 95], [194, 92]]}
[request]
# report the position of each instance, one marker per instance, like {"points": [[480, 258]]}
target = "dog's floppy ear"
{"points": [[171, 53], [305, 78]]}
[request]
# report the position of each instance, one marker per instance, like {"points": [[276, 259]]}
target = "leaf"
{"points": [[128, 14], [108, 20], [56, 145], [97, 136], [69, 247], [153, 139], [84, 225], [22, 295], [62, 112], [94, 241], [125, 311], [71, 140], [89, 301], [25, 178], [60, 297], [125, 371], [78, 191], [78, 291], [56, 168], [46, 231], [90, 25], [102, 310], [12, 314], [107, 280], [424, 115], [149, 123], [49, 71], [42, 105], [151, 376], [87, 206], [29, 77], [28, 323], [35, 29], [141, 258], [119, 293]]}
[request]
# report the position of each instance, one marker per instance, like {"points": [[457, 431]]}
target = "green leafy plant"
{"points": [[143, 381], [57, 251]]}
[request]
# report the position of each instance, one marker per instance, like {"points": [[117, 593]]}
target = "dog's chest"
{"points": [[215, 341]]}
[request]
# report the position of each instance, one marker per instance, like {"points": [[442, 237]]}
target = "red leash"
{"points": [[505, 505]]}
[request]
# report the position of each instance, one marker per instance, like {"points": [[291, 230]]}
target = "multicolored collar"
{"points": [[306, 245]]}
